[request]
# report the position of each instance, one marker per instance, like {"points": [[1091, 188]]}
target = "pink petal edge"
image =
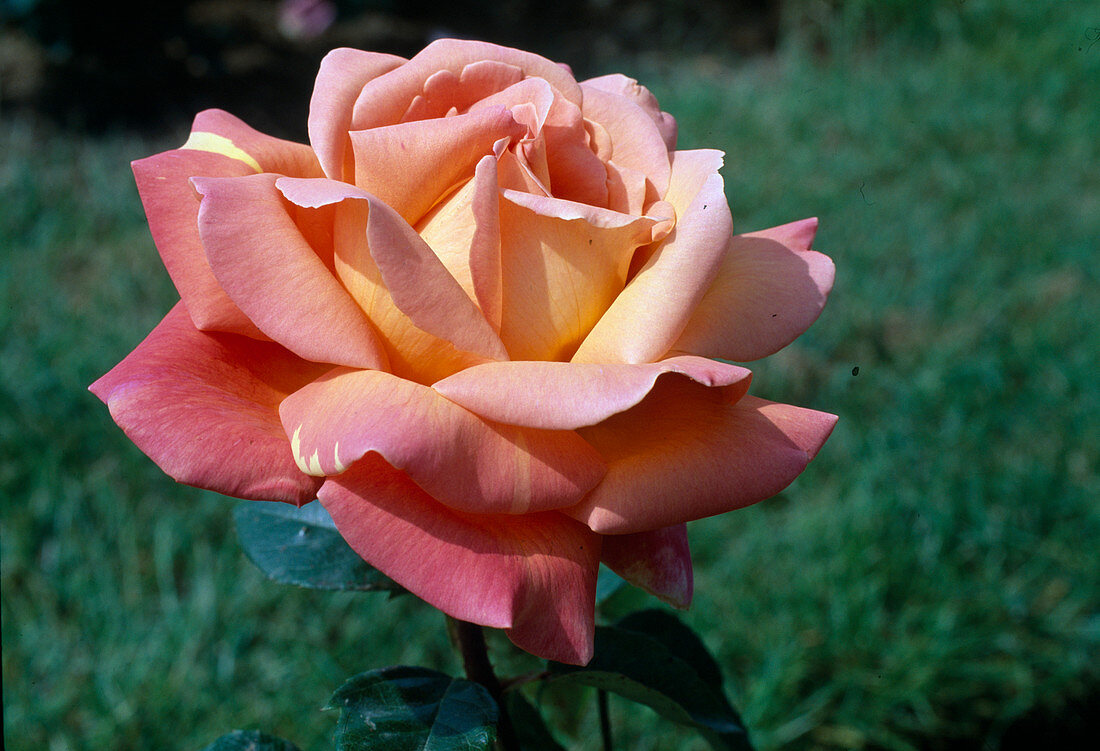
{"points": [[566, 396], [461, 460], [534, 575], [203, 407]]}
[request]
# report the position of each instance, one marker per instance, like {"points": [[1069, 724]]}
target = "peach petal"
{"points": [[658, 561], [378, 252], [684, 453], [576, 173], [626, 189], [616, 83], [563, 266], [444, 91], [514, 174], [267, 267], [203, 407], [456, 456], [172, 208], [652, 311], [566, 396], [534, 575], [637, 142], [464, 233], [532, 96], [220, 145], [769, 289], [410, 166], [343, 74], [385, 100], [557, 149], [260, 151]]}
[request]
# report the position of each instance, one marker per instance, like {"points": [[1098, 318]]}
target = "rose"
{"points": [[479, 317]]}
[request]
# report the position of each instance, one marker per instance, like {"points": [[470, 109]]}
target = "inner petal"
{"points": [[563, 264], [444, 91]]}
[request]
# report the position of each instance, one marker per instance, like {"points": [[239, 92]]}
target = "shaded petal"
{"points": [[455, 455], [576, 173], [412, 165], [626, 189], [529, 100], [563, 265], [342, 75], [557, 148], [385, 100], [658, 561], [267, 267], [220, 145], [769, 288], [464, 233], [445, 92], [565, 396], [203, 406], [655, 306], [636, 141], [685, 453], [172, 208], [420, 309], [533, 574], [616, 83]]}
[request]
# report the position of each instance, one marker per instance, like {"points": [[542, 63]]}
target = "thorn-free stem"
{"points": [[470, 640]]}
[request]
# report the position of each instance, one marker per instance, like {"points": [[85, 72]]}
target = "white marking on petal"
{"points": [[340, 466], [217, 144], [315, 464], [296, 449]]}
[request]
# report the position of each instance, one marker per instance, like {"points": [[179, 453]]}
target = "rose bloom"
{"points": [[480, 317]]}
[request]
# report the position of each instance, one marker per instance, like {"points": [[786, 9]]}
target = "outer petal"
{"points": [[220, 145], [533, 574], [684, 454], [220, 132], [172, 208], [769, 289], [385, 100], [457, 457], [636, 141], [656, 305], [430, 324], [342, 76], [659, 562], [563, 265], [565, 396], [412, 165], [203, 407], [617, 83], [270, 271]]}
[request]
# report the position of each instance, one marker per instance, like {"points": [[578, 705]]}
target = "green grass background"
{"points": [[933, 576]]}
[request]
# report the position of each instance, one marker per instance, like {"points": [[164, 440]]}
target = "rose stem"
{"points": [[475, 658], [605, 718]]}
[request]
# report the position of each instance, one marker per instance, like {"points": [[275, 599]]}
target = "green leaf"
{"points": [[250, 740], [641, 668], [301, 546], [410, 708], [531, 731], [677, 638]]}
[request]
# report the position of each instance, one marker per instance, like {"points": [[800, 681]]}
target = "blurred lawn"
{"points": [[932, 577]]}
